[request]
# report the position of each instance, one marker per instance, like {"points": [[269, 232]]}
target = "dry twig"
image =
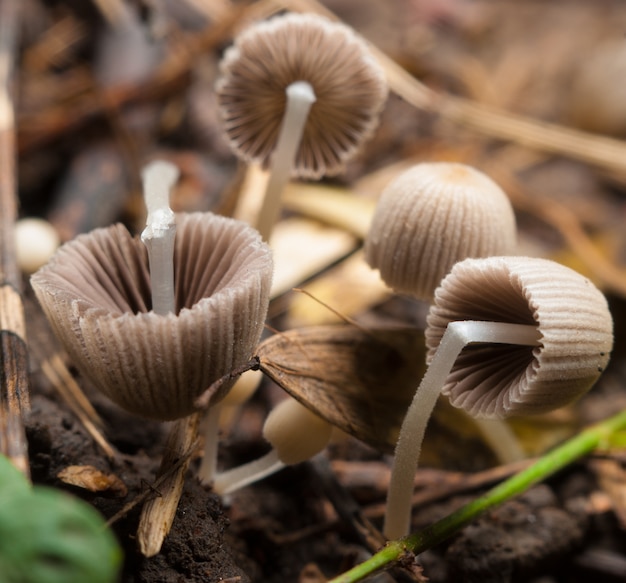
{"points": [[14, 400]]}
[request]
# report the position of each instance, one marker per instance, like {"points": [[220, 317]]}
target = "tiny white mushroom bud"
{"points": [[36, 240]]}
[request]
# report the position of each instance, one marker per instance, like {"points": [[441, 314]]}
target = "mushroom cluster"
{"points": [[506, 335]]}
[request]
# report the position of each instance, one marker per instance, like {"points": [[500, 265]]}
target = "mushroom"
{"points": [[431, 216], [96, 293], [506, 336], [296, 435], [300, 93]]}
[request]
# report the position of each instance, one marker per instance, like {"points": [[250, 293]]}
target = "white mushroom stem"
{"points": [[456, 337], [158, 179], [501, 439], [300, 98], [247, 474], [208, 466], [241, 391]]}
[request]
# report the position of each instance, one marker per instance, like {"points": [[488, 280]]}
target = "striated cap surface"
{"points": [[432, 216]]}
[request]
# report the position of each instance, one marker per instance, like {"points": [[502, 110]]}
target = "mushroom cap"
{"points": [[501, 380], [432, 216], [266, 58], [95, 291], [295, 432]]}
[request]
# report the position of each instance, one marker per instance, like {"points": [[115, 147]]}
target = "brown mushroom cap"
{"points": [[96, 293], [432, 216], [266, 58], [500, 380]]}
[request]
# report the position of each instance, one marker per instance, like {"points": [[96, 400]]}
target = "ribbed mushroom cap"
{"points": [[432, 216], [96, 293], [349, 86], [499, 380]]}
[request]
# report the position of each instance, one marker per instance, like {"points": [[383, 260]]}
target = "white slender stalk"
{"points": [[456, 337], [158, 179], [231, 480], [241, 391], [208, 466], [300, 98], [501, 439]]}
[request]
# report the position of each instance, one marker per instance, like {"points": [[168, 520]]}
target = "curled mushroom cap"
{"points": [[432, 216], [95, 291], [501, 380], [350, 90]]}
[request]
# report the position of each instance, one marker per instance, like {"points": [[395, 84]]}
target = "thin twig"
{"points": [[153, 489], [14, 401]]}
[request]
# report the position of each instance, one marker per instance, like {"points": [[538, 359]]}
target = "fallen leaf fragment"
{"points": [[92, 479]]}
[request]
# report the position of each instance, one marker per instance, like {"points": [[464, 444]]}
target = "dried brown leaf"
{"points": [[361, 381], [92, 479]]}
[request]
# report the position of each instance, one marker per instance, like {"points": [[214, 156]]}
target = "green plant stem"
{"points": [[597, 435]]}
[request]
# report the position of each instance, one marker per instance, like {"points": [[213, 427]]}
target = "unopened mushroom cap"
{"points": [[295, 432], [499, 380], [349, 86], [96, 293], [432, 216]]}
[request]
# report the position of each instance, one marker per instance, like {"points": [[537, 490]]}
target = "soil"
{"points": [[304, 524]]}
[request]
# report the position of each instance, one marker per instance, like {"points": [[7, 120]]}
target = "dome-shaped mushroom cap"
{"points": [[432, 216], [96, 293], [499, 380], [349, 85], [295, 432]]}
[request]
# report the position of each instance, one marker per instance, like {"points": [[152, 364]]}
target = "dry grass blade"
{"points": [[14, 399], [57, 373], [158, 514], [603, 152], [361, 381]]}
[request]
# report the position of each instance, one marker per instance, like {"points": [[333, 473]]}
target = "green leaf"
{"points": [[48, 536]]}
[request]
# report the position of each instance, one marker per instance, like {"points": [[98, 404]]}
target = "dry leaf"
{"points": [[361, 381], [92, 479]]}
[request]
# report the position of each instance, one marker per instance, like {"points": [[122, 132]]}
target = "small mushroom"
{"points": [[300, 93], [96, 293], [296, 435], [432, 216], [506, 336]]}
